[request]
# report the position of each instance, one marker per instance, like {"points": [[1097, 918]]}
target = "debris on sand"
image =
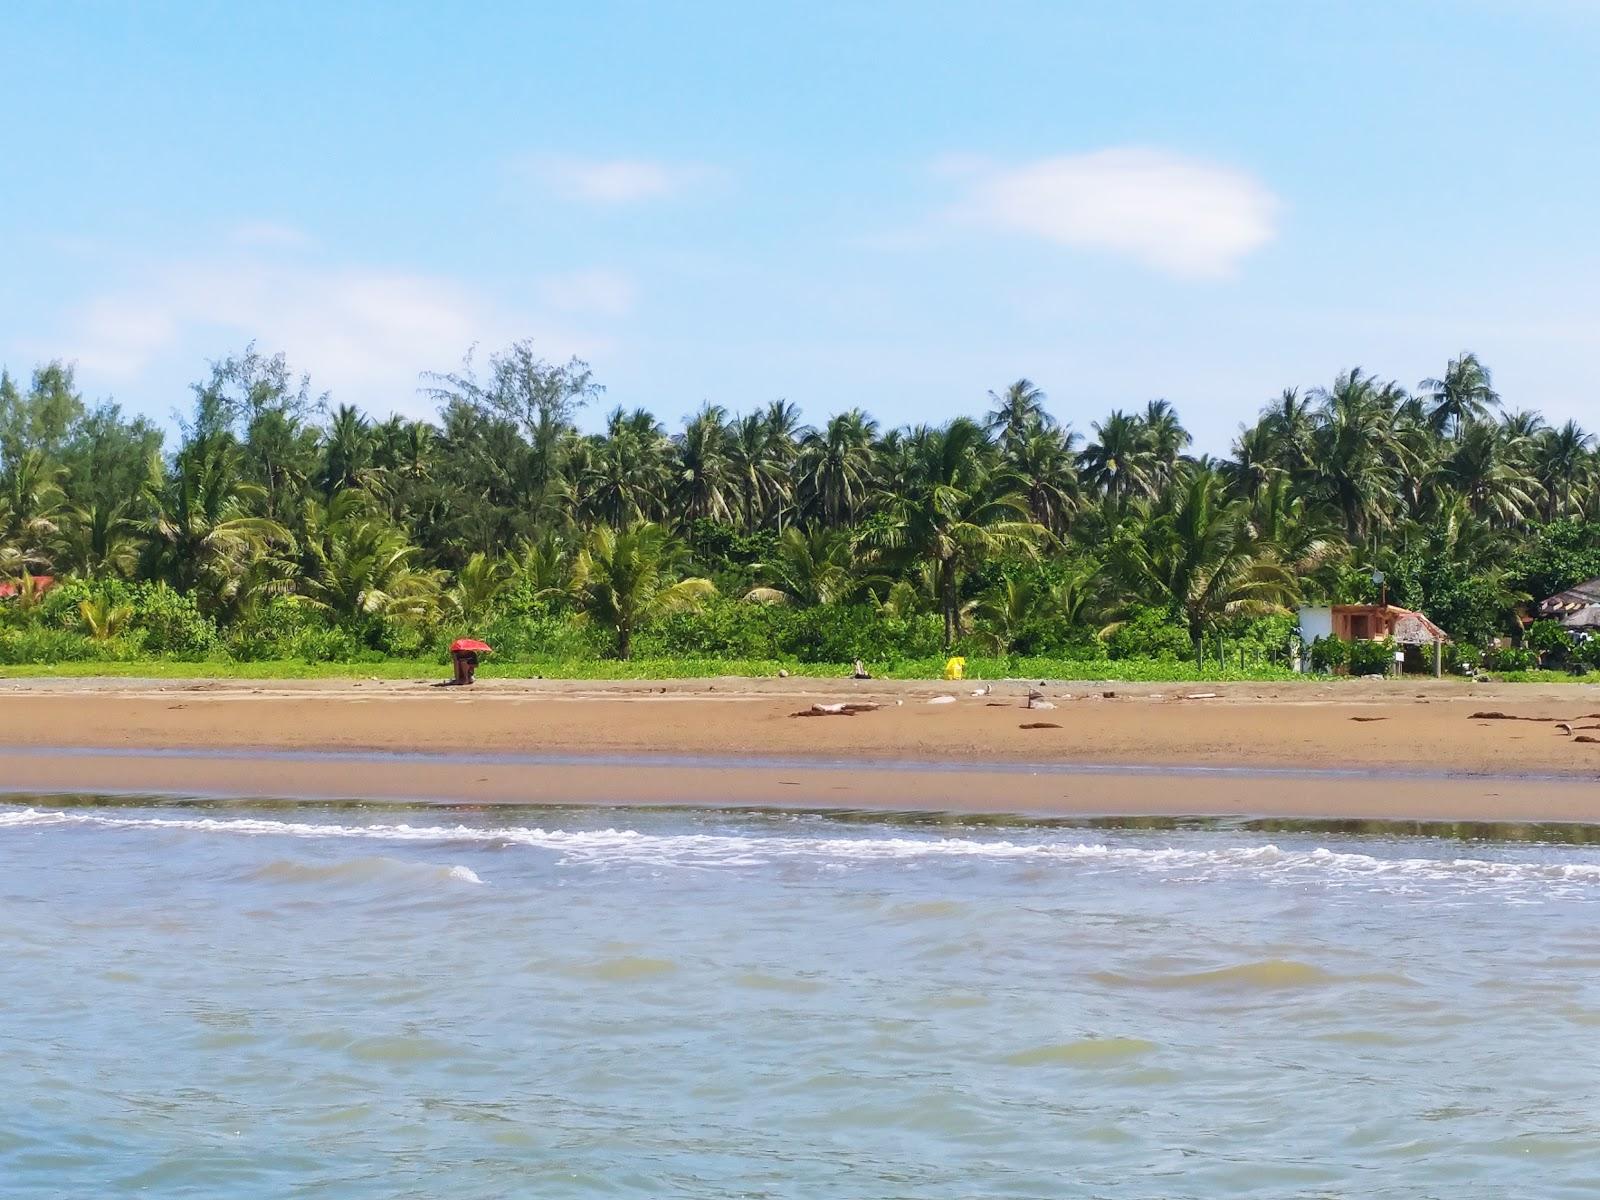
{"points": [[1200, 696], [1038, 725], [1369, 718], [1584, 737], [835, 710], [942, 700]]}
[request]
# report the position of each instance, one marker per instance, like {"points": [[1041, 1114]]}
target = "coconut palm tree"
{"points": [[754, 469], [31, 502], [1486, 469], [628, 477], [1197, 552], [960, 509], [836, 466], [1042, 458], [358, 565], [1165, 436], [621, 581], [701, 468], [1464, 395], [103, 620], [1119, 462], [810, 566], [1562, 461], [1352, 461], [1016, 412], [477, 585], [200, 535], [99, 540]]}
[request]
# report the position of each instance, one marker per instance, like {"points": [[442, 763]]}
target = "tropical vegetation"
{"points": [[280, 525]]}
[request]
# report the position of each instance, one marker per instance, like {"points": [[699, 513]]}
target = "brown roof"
{"points": [[1577, 607]]}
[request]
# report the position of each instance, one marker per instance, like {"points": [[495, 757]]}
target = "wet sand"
{"points": [[1356, 749]]}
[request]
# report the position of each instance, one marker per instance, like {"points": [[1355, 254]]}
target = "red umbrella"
{"points": [[461, 645]]}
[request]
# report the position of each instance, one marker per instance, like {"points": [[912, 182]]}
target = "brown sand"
{"points": [[1246, 749]]}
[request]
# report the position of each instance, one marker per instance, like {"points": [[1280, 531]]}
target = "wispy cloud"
{"points": [[1175, 214], [363, 334], [614, 181]]}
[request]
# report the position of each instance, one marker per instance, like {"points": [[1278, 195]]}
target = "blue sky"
{"points": [[898, 206]]}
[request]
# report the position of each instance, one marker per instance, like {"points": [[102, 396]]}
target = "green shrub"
{"points": [[1548, 640], [171, 624], [844, 632], [1371, 657], [1587, 652], [1509, 658], [43, 645], [1150, 633], [1328, 654], [721, 628]]}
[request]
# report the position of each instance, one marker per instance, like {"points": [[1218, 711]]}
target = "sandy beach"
{"points": [[1357, 749]]}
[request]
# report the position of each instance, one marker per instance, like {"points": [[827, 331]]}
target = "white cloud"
{"points": [[614, 181], [1172, 213], [362, 334]]}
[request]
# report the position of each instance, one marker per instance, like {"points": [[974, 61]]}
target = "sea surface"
{"points": [[266, 1001]]}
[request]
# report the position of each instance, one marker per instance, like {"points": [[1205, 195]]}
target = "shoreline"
{"points": [[1367, 750]]}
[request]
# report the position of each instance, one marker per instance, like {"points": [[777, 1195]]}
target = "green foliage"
{"points": [[1548, 640], [1509, 658], [1151, 633], [283, 525], [1370, 657], [1329, 654]]}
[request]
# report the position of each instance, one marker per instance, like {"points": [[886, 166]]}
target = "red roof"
{"points": [[41, 583]]}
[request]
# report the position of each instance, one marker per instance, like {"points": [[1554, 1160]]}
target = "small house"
{"points": [[1577, 608], [1373, 622]]}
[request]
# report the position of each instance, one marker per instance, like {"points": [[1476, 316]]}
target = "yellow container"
{"points": [[955, 668]]}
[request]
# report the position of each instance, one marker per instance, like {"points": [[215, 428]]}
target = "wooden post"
{"points": [[1438, 659]]}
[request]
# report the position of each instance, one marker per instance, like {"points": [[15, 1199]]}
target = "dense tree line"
{"points": [[283, 523]]}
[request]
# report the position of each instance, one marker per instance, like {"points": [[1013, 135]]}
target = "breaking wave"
{"points": [[623, 847]]}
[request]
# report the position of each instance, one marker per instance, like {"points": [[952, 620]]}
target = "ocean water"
{"points": [[365, 1002]]}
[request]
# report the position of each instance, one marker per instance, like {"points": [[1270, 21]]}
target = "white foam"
{"points": [[724, 850]]}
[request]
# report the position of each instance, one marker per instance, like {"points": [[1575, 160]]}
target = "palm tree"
{"points": [[1042, 458], [103, 620], [348, 451], [1485, 468], [1165, 435], [621, 581], [627, 481], [753, 468], [1351, 450], [959, 510], [1017, 411], [836, 466], [478, 584], [814, 566], [1290, 422], [1198, 553], [701, 467], [358, 565], [1464, 395], [1563, 464], [31, 501], [200, 536], [99, 540], [1119, 463]]}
